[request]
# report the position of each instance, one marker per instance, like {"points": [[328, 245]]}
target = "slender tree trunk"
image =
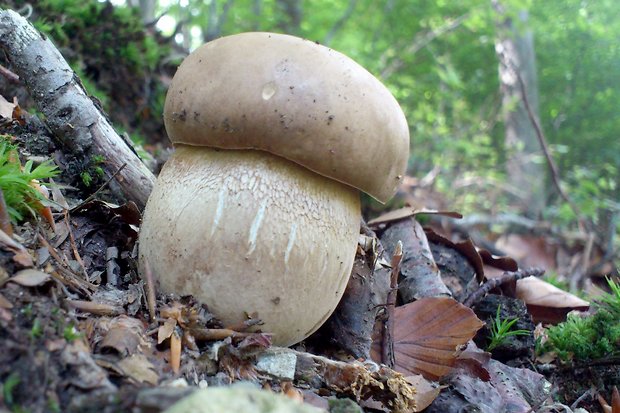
{"points": [[292, 10], [517, 73]]}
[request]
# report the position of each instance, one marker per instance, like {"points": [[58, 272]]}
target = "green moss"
{"points": [[584, 338]]}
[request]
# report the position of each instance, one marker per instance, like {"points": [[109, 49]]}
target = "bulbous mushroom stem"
{"points": [[246, 231]]}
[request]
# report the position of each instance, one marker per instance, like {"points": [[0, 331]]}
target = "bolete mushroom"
{"points": [[257, 210]]}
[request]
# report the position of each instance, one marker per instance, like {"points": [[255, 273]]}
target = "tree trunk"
{"points": [[517, 73], [82, 129]]}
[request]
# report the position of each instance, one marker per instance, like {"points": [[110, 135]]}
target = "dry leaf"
{"points": [[465, 248], [407, 212], [546, 302], [21, 257], [6, 108], [124, 335], [139, 368], [426, 391], [4, 303], [165, 331], [30, 278], [428, 334]]}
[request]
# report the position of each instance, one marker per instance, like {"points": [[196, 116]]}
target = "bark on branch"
{"points": [[71, 115]]}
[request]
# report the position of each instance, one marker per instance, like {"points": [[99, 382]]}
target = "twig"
{"points": [[150, 289], [477, 295], [11, 77], [94, 194], [5, 219], [387, 348], [76, 253]]}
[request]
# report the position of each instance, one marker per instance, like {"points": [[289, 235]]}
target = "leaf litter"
{"points": [[73, 291]]}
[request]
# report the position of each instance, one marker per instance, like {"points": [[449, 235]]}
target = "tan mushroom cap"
{"points": [[295, 99]]}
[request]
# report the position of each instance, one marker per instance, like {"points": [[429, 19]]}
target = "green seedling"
{"points": [[9, 386], [70, 333], [16, 181], [37, 330], [501, 330]]}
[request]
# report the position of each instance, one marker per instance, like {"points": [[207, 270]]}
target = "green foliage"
{"points": [[501, 330], [70, 333], [9, 386], [15, 181], [36, 330], [583, 338]]}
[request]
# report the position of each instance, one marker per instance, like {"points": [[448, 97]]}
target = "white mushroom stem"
{"points": [[246, 231]]}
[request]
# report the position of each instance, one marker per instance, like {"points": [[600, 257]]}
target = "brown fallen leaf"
{"points": [[426, 391], [428, 334], [4, 303], [124, 335], [615, 402], [30, 277], [21, 257], [165, 330], [546, 302], [138, 368], [398, 214], [6, 108]]}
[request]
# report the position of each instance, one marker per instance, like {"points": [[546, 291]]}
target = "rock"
{"points": [[239, 399]]}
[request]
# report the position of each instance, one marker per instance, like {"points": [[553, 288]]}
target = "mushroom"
{"points": [[257, 210]]}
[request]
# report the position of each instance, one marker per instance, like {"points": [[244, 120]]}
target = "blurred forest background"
{"points": [[512, 105]]}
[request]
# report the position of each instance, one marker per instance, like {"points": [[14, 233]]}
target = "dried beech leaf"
{"points": [[546, 302], [30, 277], [407, 212], [466, 248], [428, 333], [6, 108], [21, 257], [503, 263], [165, 331], [4, 303], [139, 368], [124, 335], [426, 391]]}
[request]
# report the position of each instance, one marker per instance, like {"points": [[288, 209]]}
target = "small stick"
{"points": [[94, 194], [5, 219], [76, 254], [150, 289], [387, 348], [11, 77], [477, 295]]}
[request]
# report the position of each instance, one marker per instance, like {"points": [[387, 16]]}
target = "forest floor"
{"points": [[81, 328]]}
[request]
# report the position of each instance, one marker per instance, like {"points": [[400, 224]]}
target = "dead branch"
{"points": [[71, 115], [484, 289], [387, 350]]}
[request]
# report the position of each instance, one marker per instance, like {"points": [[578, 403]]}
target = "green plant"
{"points": [[36, 330], [501, 330], [16, 181], [582, 338], [9, 386], [70, 333]]}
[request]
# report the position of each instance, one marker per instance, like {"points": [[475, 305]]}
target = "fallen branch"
{"points": [[485, 288], [71, 115]]}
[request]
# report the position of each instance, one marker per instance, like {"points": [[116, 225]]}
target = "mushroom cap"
{"points": [[295, 99], [245, 231]]}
